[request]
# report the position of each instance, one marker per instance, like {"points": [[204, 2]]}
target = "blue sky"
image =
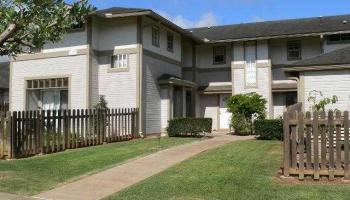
{"points": [[190, 13]]}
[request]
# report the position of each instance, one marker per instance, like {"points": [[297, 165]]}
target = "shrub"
{"points": [[269, 129], [243, 108], [189, 126]]}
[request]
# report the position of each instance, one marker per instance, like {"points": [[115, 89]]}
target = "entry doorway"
{"points": [[224, 114]]}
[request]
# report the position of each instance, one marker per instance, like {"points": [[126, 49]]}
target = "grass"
{"points": [[240, 170], [33, 175]]}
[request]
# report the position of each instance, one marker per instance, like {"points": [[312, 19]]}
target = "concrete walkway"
{"points": [[5, 196], [108, 182]]}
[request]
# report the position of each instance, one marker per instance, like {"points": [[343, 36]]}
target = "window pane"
{"points": [[65, 82], [64, 99], [33, 99], [30, 84], [251, 79]]}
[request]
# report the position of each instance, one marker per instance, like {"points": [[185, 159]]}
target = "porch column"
{"points": [[183, 102]]}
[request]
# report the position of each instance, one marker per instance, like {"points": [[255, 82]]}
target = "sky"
{"points": [[201, 13]]}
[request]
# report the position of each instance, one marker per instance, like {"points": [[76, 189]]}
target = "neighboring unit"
{"points": [[136, 58]]}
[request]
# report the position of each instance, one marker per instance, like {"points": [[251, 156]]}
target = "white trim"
{"points": [[64, 49]]}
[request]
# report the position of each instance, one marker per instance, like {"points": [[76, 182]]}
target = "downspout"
{"points": [[139, 92]]}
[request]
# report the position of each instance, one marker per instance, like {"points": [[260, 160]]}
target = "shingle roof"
{"points": [[4, 74], [120, 10], [275, 28], [337, 57], [215, 88]]}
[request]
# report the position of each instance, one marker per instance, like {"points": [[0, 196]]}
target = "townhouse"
{"points": [[137, 58]]}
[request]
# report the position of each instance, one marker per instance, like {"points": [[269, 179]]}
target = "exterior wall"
{"points": [[147, 25], [187, 54], [109, 33], [205, 77], [4, 75], [152, 70], [329, 83], [278, 73], [263, 72], [279, 104], [72, 40], [205, 56], [209, 108], [119, 88], [310, 47], [74, 67]]}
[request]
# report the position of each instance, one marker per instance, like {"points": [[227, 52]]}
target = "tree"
{"points": [[29, 24], [245, 107], [319, 102], [102, 103]]}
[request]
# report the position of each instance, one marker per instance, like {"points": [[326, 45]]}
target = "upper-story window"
{"points": [[170, 42], [219, 55], [155, 36], [294, 50], [120, 61], [338, 38]]}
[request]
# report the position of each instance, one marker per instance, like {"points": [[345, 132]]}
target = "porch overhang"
{"points": [[168, 79], [284, 86], [216, 89]]}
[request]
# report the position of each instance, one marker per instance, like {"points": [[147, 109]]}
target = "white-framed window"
{"points": [[250, 66], [155, 36], [219, 55], [47, 94], [120, 61], [338, 38], [294, 50], [170, 42]]}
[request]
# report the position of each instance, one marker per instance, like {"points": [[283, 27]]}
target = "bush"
{"points": [[189, 126], [245, 108], [269, 129]]}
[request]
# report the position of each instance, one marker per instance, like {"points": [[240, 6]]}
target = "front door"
{"points": [[225, 116]]}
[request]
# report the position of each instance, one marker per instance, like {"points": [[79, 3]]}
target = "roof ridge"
{"points": [[272, 21]]}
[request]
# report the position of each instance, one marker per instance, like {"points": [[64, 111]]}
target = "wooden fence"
{"points": [[4, 107], [316, 144], [35, 132]]}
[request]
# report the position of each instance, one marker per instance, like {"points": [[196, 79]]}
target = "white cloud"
{"points": [[258, 19], [207, 19]]}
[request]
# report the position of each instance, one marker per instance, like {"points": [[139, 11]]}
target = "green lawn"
{"points": [[32, 175], [240, 170]]}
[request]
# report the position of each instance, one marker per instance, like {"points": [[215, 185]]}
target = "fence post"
{"points": [[286, 140], [301, 144], [346, 145], [12, 134], [331, 144], [2, 133], [315, 132]]}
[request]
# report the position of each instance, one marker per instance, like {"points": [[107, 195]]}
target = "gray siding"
{"points": [[152, 70]]}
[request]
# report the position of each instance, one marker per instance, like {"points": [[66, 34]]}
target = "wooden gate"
{"points": [[316, 144]]}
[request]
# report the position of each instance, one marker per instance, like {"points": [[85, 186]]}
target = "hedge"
{"points": [[269, 129], [189, 126]]}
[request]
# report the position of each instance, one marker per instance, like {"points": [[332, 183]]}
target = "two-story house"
{"points": [[137, 58]]}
